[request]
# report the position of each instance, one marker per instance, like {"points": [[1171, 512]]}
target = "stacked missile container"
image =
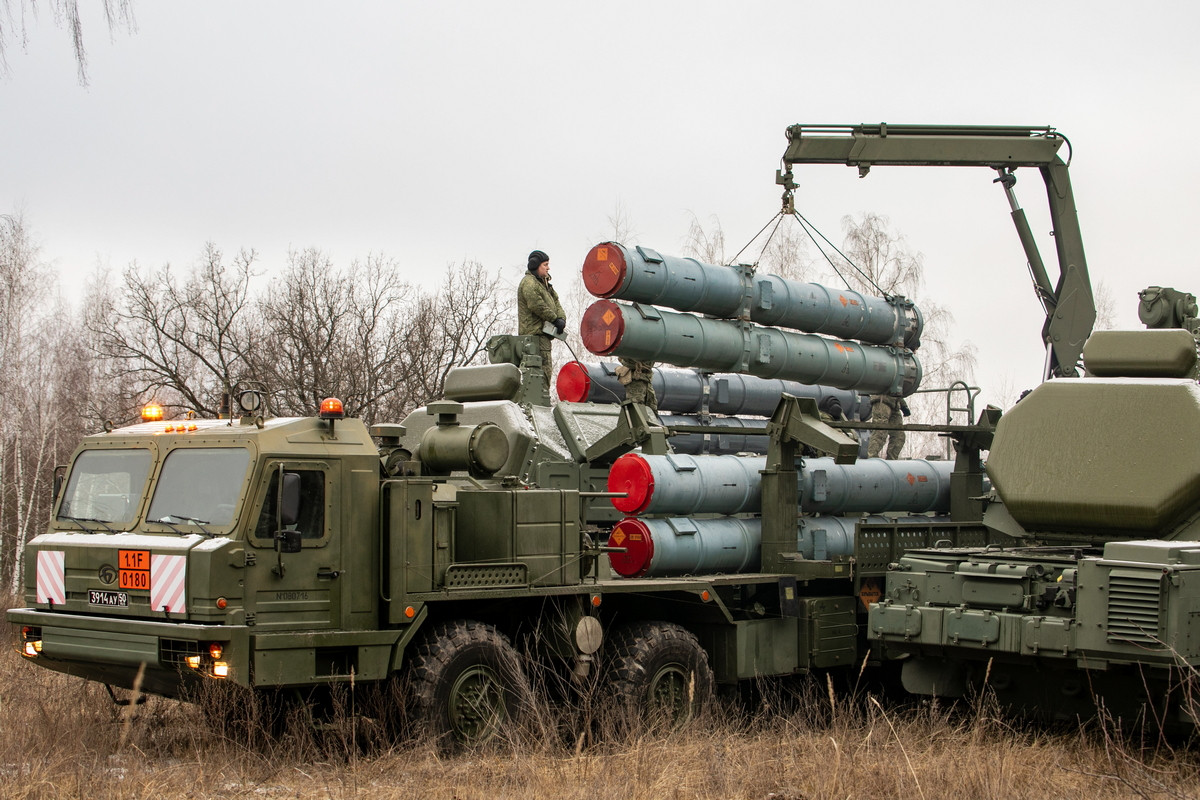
{"points": [[767, 335], [691, 397]]}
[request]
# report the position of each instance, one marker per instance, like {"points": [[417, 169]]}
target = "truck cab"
{"points": [[170, 547]]}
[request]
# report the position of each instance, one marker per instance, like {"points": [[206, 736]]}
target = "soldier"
{"points": [[537, 304], [887, 409], [638, 379]]}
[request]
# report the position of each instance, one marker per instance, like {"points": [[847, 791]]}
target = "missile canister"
{"points": [[689, 391], [641, 275], [723, 442], [683, 546], [646, 333], [722, 484]]}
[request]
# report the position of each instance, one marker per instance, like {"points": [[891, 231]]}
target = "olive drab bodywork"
{"points": [[651, 550], [1098, 601]]}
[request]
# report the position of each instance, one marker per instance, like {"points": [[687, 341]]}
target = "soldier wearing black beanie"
{"points": [[537, 304]]}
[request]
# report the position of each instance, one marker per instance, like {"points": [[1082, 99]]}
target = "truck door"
{"points": [[300, 589]]}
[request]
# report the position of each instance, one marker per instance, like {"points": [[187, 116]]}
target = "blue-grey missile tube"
{"points": [[689, 391], [724, 442], [684, 485], [641, 275], [730, 443], [646, 333], [685, 546]]}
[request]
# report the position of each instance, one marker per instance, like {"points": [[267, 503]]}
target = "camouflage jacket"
{"points": [[537, 303]]}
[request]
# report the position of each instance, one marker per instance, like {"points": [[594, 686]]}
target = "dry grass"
{"points": [[62, 737]]}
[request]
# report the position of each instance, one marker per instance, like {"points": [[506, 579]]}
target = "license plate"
{"points": [[99, 598]]}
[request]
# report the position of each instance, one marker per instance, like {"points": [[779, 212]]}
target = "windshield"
{"points": [[105, 486], [199, 486]]}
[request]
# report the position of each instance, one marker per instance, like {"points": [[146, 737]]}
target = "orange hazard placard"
{"points": [[133, 567], [870, 592]]}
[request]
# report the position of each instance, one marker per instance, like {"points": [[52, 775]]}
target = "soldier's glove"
{"points": [[832, 406], [904, 409], [560, 325]]}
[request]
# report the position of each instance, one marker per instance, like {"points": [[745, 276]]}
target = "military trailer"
{"points": [[493, 526]]}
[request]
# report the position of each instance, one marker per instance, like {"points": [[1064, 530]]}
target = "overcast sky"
{"points": [[443, 132]]}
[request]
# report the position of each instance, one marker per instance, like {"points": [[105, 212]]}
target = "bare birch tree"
{"points": [[786, 255], [183, 342], [705, 245], [451, 327], [15, 18], [336, 332], [883, 263], [44, 389]]}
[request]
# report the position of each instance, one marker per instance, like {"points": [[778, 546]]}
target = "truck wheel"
{"points": [[466, 684], [659, 674]]}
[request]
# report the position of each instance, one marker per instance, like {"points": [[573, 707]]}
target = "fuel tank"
{"points": [[647, 333], [723, 484], [642, 275]]}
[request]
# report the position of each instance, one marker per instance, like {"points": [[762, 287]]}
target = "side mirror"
{"points": [[287, 542], [60, 474], [289, 500]]}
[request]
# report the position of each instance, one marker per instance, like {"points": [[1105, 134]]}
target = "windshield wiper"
{"points": [[87, 519], [165, 519]]}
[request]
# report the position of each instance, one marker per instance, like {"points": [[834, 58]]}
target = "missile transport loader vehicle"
{"points": [[288, 554], [489, 531]]}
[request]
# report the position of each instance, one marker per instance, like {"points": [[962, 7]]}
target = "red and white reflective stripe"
{"points": [[51, 577], [167, 584]]}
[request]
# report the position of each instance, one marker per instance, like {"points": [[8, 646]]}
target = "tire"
{"points": [[466, 685], [658, 674]]}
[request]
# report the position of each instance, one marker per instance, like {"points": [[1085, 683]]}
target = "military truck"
{"points": [[283, 553], [493, 527]]}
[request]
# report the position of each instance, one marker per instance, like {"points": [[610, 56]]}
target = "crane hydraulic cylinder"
{"points": [[686, 546], [646, 333], [683, 485], [642, 275], [689, 391]]}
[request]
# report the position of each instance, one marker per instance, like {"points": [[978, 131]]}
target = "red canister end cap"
{"points": [[602, 327], [573, 383], [604, 269], [633, 535], [631, 474]]}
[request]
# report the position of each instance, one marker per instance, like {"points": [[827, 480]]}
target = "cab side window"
{"points": [[311, 523]]}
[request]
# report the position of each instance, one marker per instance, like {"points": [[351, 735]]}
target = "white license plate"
{"points": [[99, 598]]}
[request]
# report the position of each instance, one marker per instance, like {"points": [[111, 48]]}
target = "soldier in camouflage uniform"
{"points": [[638, 379], [537, 304], [887, 409]]}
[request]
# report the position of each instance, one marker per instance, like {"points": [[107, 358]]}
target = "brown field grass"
{"points": [[62, 737]]}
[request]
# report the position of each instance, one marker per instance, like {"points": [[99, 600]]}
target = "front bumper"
{"points": [[154, 657]]}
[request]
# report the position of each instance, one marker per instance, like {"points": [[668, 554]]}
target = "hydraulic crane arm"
{"points": [[1068, 302]]}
